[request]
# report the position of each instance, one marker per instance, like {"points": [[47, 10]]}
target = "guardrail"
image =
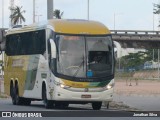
{"points": [[135, 32], [137, 38]]}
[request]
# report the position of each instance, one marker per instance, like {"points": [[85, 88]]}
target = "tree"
{"points": [[137, 60], [57, 14], [156, 10], [17, 15], [134, 60]]}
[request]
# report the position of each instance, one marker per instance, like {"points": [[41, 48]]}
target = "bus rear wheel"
{"points": [[96, 105], [13, 94], [19, 100], [16, 100], [47, 103]]}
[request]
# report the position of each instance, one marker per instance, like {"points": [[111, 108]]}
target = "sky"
{"points": [[115, 14]]}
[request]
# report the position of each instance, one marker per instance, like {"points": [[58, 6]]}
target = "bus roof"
{"points": [[66, 27]]}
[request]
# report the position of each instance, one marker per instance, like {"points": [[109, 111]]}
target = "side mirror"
{"points": [[53, 49]]}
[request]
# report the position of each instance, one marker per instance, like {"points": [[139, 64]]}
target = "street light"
{"points": [[153, 16], [50, 9], [115, 19], [88, 10], [33, 11], [2, 13]]}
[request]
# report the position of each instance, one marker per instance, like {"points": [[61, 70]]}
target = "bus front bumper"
{"points": [[61, 94]]}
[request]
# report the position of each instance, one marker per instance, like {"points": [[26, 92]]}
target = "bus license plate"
{"points": [[85, 96]]}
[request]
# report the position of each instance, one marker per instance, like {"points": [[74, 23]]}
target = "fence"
{"points": [[139, 64]]}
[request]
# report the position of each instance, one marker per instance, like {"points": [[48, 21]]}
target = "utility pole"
{"points": [[88, 9], [11, 6], [153, 17], [158, 53], [50, 9], [114, 21], [2, 13], [34, 11], [2, 51], [158, 65]]}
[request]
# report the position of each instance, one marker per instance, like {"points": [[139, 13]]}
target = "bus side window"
{"points": [[38, 42], [13, 44], [19, 45]]}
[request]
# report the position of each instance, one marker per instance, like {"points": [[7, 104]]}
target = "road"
{"points": [[81, 112], [6, 105], [141, 102]]}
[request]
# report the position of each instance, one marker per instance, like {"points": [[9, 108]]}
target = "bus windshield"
{"points": [[85, 56]]}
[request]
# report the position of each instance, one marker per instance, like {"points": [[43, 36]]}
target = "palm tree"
{"points": [[156, 8], [57, 14], [17, 15]]}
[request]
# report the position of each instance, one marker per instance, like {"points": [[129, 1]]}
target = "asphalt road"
{"points": [[80, 112], [140, 102], [6, 105]]}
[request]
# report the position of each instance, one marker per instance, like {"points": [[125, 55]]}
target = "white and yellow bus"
{"points": [[60, 62]]}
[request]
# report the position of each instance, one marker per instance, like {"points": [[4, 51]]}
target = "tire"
{"points": [[96, 105], [16, 100], [19, 100], [61, 105], [65, 105], [13, 95], [11, 90], [58, 105], [47, 103], [26, 101]]}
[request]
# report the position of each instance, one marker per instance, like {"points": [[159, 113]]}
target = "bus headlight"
{"points": [[64, 86], [109, 86], [61, 85]]}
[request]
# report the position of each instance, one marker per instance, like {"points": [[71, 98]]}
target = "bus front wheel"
{"points": [[61, 105], [96, 105], [47, 103], [26, 101]]}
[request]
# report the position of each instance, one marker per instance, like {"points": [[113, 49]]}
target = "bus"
{"points": [[60, 62]]}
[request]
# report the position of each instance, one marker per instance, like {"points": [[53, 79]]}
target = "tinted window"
{"points": [[26, 43]]}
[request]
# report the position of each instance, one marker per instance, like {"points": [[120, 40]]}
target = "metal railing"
{"points": [[137, 38], [134, 32]]}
